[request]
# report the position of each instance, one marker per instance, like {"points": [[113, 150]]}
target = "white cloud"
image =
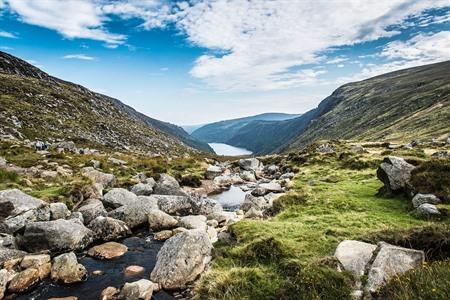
{"points": [[78, 56], [6, 34], [164, 69], [336, 60], [420, 50], [340, 65], [71, 18], [257, 44]]}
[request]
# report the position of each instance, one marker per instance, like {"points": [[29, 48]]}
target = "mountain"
{"points": [[34, 104], [223, 131], [191, 128], [397, 106]]}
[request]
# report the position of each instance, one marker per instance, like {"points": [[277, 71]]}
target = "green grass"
{"points": [[314, 218]]}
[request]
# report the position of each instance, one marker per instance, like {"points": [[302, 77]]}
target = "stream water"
{"points": [[142, 251], [230, 199]]}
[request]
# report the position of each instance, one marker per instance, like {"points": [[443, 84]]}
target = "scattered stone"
{"points": [[77, 216], [427, 210], [193, 222], [250, 164], [159, 220], [58, 211], [271, 187], [253, 213], [206, 206], [420, 199], [223, 180], [250, 201], [181, 259], [141, 289], [358, 149], [92, 209], [134, 270], [178, 230], [117, 162], [108, 250], [142, 189], [167, 185], [212, 234], [109, 293], [109, 229], [441, 155], [118, 197], [354, 256], [95, 163], [98, 273], [289, 175], [23, 280], [223, 216], [163, 235], [136, 213], [66, 269], [213, 171], [212, 223], [324, 148], [391, 261], [248, 176], [40, 262], [175, 205], [104, 179], [395, 173], [272, 169], [13, 224], [59, 235]]}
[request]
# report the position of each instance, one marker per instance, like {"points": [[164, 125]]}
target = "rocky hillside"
{"points": [[224, 131], [35, 105], [398, 106]]}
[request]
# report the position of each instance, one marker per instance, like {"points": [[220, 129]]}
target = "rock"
{"points": [[104, 179], [253, 213], [141, 289], [133, 270], [289, 175], [117, 162], [212, 223], [95, 163], [248, 176], [178, 230], [75, 215], [58, 211], [213, 171], [420, 199], [23, 280], [225, 237], [66, 269], [109, 293], [14, 202], [250, 164], [441, 155], [354, 256], [175, 205], [159, 220], [427, 210], [64, 298], [142, 189], [8, 241], [7, 254], [40, 262], [206, 206], [181, 259], [58, 235], [250, 201], [136, 213], [92, 209], [118, 197], [3, 282], [163, 235], [193, 222], [109, 229], [3, 163], [395, 173], [16, 223], [223, 180], [49, 174], [389, 262], [212, 234], [271, 187], [272, 169], [167, 185], [324, 148], [108, 250], [223, 216], [357, 149]]}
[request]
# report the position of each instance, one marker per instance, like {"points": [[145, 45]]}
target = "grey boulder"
{"points": [[108, 229], [58, 211], [420, 199], [159, 220], [354, 256], [118, 197], [427, 210], [250, 164], [395, 173], [135, 213], [92, 209], [65, 268], [167, 185]]}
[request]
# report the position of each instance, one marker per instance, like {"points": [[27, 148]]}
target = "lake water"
{"points": [[230, 199], [228, 150]]}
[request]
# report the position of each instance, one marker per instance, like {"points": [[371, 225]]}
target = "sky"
{"points": [[199, 61]]}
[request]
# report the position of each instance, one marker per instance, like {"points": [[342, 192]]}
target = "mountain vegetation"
{"points": [[35, 105], [399, 106]]}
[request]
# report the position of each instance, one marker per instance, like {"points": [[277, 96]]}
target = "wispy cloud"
{"points": [[78, 56], [7, 34]]}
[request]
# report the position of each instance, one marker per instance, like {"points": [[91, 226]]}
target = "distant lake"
{"points": [[228, 150]]}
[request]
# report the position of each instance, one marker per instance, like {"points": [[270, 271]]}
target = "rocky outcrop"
{"points": [[59, 235], [66, 269], [395, 173], [182, 258], [18, 202]]}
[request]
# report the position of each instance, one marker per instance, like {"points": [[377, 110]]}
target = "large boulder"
{"points": [[105, 180], [143, 189], [159, 220], [141, 289], [391, 261], [250, 164], [108, 250], [193, 222], [7, 254], [206, 206], [251, 201], [354, 256], [58, 235], [66, 269], [182, 258], [175, 205], [14, 202], [108, 229], [3, 282], [13, 224], [118, 197], [395, 173], [167, 185], [135, 213], [92, 209], [213, 171], [420, 199], [427, 210], [248, 176], [58, 211], [23, 280]]}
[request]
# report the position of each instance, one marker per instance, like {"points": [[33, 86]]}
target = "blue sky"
{"points": [[191, 62]]}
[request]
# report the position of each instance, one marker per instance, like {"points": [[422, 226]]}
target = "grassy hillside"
{"points": [[224, 131], [34, 104]]}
